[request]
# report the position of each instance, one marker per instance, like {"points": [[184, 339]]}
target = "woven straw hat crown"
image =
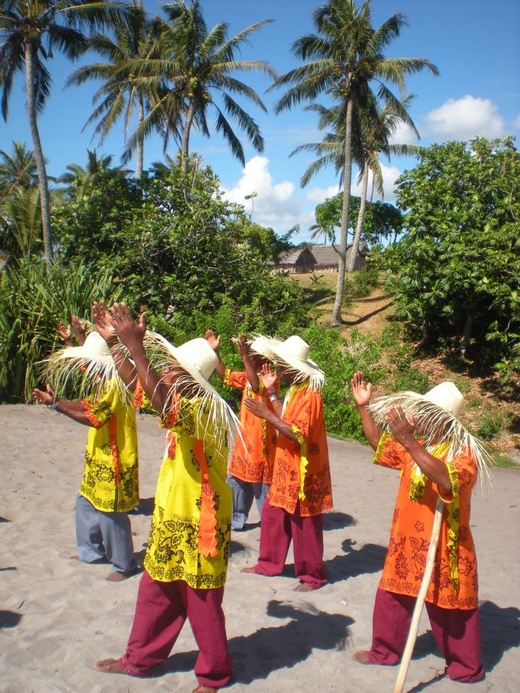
{"points": [[94, 346], [447, 396], [196, 357], [293, 352]]}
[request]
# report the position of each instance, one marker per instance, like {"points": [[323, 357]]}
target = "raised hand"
{"points": [[269, 377], [79, 329], [102, 321], [400, 426], [65, 333], [243, 345], [212, 339], [361, 391], [130, 332]]}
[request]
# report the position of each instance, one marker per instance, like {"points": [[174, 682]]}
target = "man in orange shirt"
{"points": [[421, 436], [250, 468], [301, 489]]}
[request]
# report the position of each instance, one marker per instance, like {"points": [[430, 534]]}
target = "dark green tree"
{"points": [[456, 270], [382, 220]]}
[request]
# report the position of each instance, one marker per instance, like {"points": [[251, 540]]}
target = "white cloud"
{"points": [[271, 204], [319, 195], [465, 118], [390, 175], [403, 134], [516, 122], [282, 206]]}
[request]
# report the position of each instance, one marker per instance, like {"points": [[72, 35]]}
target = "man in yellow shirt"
{"points": [[110, 484]]}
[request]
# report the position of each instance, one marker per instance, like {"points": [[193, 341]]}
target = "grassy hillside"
{"points": [[490, 413]]}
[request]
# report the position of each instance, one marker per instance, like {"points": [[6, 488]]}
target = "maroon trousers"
{"points": [[277, 529], [160, 613], [456, 631]]}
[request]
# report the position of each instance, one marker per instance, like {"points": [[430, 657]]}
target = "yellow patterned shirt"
{"points": [[191, 523], [111, 475]]}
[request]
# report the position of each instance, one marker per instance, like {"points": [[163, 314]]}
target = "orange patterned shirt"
{"points": [[253, 451], [454, 583], [301, 470]]}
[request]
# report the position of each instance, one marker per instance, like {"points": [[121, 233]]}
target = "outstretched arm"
{"points": [[131, 334], [103, 325], [214, 341], [73, 409], [362, 392]]}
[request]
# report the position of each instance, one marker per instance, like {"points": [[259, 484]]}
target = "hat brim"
{"points": [[165, 353], [441, 425], [275, 350]]}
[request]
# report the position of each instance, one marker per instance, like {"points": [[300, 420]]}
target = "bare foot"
{"points": [[304, 587], [362, 657], [109, 666], [251, 569], [204, 689], [116, 576]]}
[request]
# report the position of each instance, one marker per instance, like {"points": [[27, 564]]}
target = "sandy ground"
{"points": [[57, 616]]}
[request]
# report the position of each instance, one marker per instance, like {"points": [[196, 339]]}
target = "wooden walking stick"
{"points": [[416, 617]]}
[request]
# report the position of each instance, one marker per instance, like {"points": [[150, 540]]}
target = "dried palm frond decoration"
{"points": [[197, 360], [293, 353], [436, 415], [91, 364]]}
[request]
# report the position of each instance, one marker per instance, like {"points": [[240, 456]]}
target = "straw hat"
{"points": [[198, 360], [439, 410], [92, 360], [292, 353], [447, 396]]}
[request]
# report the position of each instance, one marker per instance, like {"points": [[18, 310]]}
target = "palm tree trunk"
{"points": [[185, 142], [361, 216], [139, 163], [43, 182], [347, 176]]}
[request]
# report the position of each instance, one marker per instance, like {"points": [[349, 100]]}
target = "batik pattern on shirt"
{"points": [[301, 472], [451, 587], [111, 474], [184, 487], [253, 450]]}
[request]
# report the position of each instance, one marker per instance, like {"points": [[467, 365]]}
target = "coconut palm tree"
{"points": [[82, 177], [122, 92], [30, 32], [346, 61], [193, 71], [17, 170], [372, 131], [375, 139]]}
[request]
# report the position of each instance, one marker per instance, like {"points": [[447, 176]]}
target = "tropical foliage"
{"points": [[346, 62], [456, 271], [382, 221], [34, 295], [30, 32]]}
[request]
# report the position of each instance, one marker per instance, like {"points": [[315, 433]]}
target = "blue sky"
{"points": [[474, 43]]}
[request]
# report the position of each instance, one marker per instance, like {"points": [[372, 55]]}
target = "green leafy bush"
{"points": [[34, 296]]}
